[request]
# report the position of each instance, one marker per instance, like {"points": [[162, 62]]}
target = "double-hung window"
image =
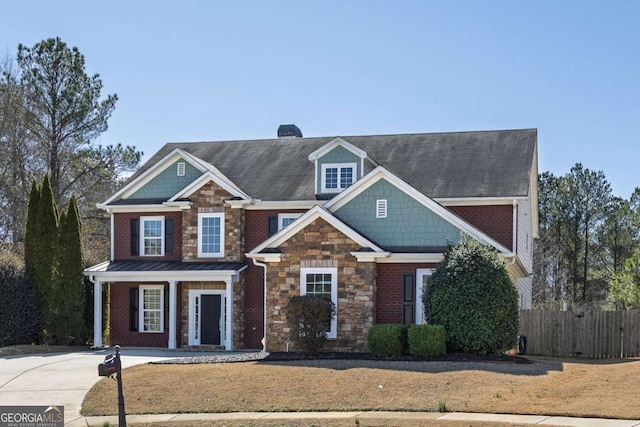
{"points": [[152, 242], [337, 176], [286, 219], [211, 235], [151, 308], [322, 282]]}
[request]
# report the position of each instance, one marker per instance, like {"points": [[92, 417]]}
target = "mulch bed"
{"points": [[450, 357]]}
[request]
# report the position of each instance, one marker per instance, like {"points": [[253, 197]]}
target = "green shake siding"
{"points": [[167, 183], [408, 222]]}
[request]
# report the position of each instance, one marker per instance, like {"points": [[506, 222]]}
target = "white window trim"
{"points": [[283, 216], [143, 219], [381, 208], [141, 309], [420, 272], [182, 166], [352, 166], [333, 333], [222, 232]]}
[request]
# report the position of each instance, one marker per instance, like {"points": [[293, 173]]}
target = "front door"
{"points": [[210, 320]]}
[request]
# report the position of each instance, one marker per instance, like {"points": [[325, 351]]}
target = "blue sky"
{"points": [[210, 70]]}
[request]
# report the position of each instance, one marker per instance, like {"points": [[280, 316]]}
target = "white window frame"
{"points": [[182, 167], [141, 309], [220, 253], [381, 208], [283, 216], [333, 333], [339, 166], [144, 219], [420, 273]]}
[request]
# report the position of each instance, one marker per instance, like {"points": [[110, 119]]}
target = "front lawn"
{"points": [[547, 386]]}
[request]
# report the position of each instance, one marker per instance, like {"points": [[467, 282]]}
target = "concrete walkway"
{"points": [[351, 417], [64, 379]]}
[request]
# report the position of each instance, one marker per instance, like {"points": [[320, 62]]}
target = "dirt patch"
{"points": [[546, 386]]}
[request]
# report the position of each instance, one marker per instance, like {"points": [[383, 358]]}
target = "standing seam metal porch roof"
{"points": [[441, 165]]}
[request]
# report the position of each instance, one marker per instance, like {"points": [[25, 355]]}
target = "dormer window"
{"points": [[337, 176]]}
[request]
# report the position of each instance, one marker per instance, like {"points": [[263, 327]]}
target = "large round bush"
{"points": [[472, 296]]}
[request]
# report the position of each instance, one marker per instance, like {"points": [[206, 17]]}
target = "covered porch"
{"points": [[212, 280]]}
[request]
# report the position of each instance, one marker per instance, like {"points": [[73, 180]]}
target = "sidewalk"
{"points": [[362, 416]]}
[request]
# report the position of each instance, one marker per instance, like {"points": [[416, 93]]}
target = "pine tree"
{"points": [[69, 292]]}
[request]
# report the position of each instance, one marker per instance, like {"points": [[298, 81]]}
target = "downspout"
{"points": [[264, 321]]}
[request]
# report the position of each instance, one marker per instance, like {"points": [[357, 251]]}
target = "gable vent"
{"points": [[181, 168], [381, 208], [289, 131]]}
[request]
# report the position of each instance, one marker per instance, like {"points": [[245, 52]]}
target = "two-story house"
{"points": [[210, 239]]}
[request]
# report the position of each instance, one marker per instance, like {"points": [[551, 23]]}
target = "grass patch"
{"points": [[560, 387]]}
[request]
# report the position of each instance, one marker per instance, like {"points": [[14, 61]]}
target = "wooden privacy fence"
{"points": [[593, 334]]}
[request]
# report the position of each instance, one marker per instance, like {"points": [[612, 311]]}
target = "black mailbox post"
{"points": [[110, 367]]}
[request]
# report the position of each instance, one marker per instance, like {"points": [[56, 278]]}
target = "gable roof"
{"points": [[336, 142], [440, 165], [306, 219]]}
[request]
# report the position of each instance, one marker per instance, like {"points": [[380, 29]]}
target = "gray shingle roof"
{"points": [[441, 165]]}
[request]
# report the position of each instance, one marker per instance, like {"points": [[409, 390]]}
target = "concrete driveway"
{"points": [[64, 379]]}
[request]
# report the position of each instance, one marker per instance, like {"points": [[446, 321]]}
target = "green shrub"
{"points": [[473, 297], [427, 340], [19, 310], [387, 340], [309, 317]]}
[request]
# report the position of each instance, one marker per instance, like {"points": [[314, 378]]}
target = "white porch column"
{"points": [[97, 313], [228, 344], [172, 314]]}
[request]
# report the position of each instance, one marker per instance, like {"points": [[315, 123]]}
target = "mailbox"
{"points": [[108, 368]]}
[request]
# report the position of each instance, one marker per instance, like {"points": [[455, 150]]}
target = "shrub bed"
{"points": [[427, 340], [387, 340]]}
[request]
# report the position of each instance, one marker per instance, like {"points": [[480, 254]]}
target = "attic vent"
{"points": [[381, 208], [289, 131], [181, 168]]}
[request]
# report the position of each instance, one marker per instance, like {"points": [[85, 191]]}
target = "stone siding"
{"points": [[210, 198], [321, 245]]}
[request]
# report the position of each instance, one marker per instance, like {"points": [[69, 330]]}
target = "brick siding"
{"points": [[389, 286], [120, 333], [122, 235], [496, 220]]}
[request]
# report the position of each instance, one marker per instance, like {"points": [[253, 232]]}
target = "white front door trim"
{"points": [[195, 303], [420, 273]]}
